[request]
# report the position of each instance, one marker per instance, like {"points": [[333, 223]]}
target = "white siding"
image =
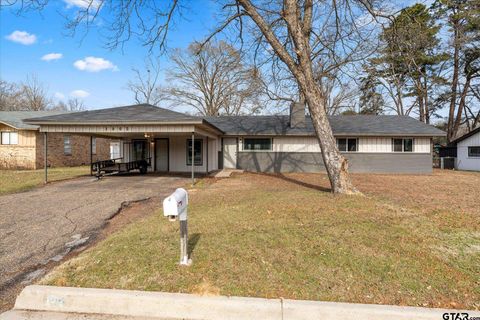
{"points": [[296, 144], [422, 145], [464, 162], [375, 144], [365, 144], [178, 153], [384, 144]]}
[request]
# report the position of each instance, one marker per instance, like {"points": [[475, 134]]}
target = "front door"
{"points": [[161, 155], [230, 153]]}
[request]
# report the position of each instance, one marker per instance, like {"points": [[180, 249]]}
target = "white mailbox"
{"points": [[176, 204]]}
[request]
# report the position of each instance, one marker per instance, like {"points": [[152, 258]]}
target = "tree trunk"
{"points": [[461, 106], [453, 98], [400, 110], [335, 164], [421, 108], [420, 98], [425, 95], [301, 68]]}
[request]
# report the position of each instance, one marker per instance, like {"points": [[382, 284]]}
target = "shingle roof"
{"points": [[248, 125], [139, 113], [366, 125], [15, 118]]}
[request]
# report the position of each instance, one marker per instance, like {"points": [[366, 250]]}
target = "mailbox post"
{"points": [[175, 206]]}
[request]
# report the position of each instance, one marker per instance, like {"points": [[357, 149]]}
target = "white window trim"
{"points": [[242, 141], [94, 145], [9, 134], [403, 145], [69, 144], [349, 138], [468, 152], [188, 152]]}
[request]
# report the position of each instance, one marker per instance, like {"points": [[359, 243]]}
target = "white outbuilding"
{"points": [[468, 151]]}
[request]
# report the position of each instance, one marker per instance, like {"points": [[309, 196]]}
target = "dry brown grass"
{"points": [[12, 181], [412, 240]]}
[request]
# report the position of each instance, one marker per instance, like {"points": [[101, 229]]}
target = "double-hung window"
{"points": [[474, 152], [94, 145], [347, 144], [257, 144], [9, 137], [197, 152], [402, 145], [67, 145]]}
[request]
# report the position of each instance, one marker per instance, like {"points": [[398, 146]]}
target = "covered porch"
{"points": [[167, 141]]}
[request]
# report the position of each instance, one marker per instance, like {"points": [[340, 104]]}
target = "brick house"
{"points": [[22, 144]]}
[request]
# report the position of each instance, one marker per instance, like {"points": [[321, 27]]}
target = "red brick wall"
{"points": [[80, 154]]}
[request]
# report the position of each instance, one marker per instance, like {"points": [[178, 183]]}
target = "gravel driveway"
{"points": [[46, 223]]}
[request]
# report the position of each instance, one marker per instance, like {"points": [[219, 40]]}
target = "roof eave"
{"points": [[342, 134], [96, 123], [397, 134]]}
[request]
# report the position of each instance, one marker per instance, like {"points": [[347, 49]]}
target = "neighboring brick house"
{"points": [[22, 145]]}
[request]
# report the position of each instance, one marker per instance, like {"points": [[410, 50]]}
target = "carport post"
{"points": [[91, 155], [45, 155], [193, 159]]}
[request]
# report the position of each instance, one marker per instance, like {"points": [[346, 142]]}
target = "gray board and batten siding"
{"points": [[313, 162]]}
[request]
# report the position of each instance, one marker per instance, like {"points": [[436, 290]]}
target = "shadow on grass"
{"points": [[301, 183], [192, 242]]}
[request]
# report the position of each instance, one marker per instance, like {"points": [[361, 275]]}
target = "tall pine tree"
{"points": [[462, 18], [371, 101], [411, 57]]}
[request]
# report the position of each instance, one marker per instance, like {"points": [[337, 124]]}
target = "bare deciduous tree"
{"points": [[214, 80], [28, 95], [73, 105], [145, 85], [34, 95], [300, 34], [339, 93], [10, 96]]}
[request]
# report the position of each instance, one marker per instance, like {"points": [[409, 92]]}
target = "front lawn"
{"points": [[411, 240], [21, 180]]}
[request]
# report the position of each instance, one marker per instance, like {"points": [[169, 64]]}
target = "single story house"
{"points": [[177, 142], [22, 145], [468, 151]]}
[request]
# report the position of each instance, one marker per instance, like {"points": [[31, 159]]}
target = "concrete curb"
{"points": [[187, 306]]}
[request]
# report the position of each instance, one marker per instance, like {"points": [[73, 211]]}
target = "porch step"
{"points": [[226, 173]]}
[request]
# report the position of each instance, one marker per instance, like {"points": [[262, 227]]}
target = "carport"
{"points": [[169, 141]]}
